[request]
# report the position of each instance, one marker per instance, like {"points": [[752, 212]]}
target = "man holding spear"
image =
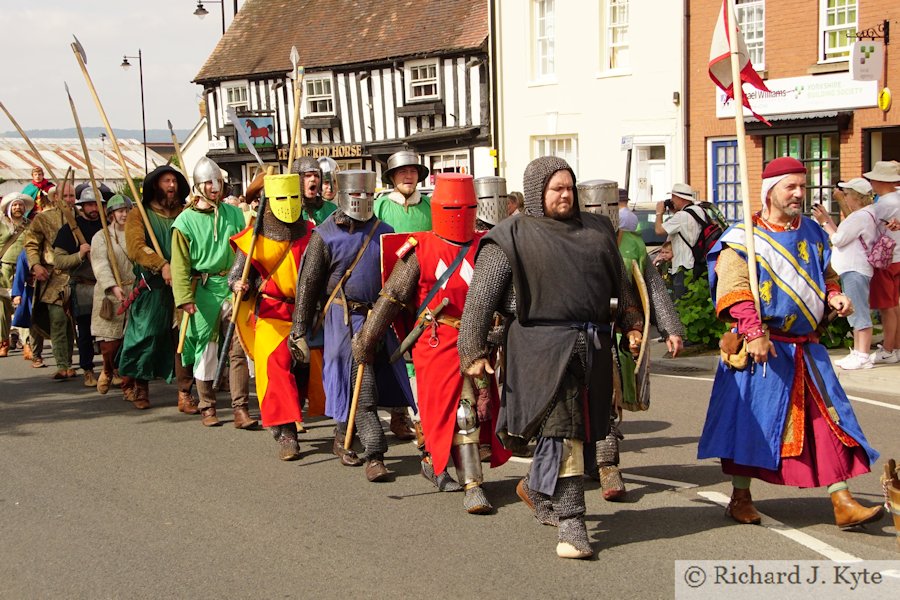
{"points": [[72, 249], [784, 417], [343, 262], [51, 284], [275, 248], [202, 257], [148, 347]]}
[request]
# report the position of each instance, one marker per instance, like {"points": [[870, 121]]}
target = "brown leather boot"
{"points": [[850, 513], [141, 397], [187, 404], [242, 418], [741, 508], [209, 418], [4, 348], [103, 382], [348, 457], [401, 425]]}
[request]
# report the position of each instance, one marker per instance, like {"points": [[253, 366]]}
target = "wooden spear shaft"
{"points": [[183, 166], [110, 253], [296, 141], [737, 86], [30, 144], [115, 143]]}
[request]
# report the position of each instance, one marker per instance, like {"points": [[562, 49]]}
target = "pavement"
{"points": [[880, 382]]}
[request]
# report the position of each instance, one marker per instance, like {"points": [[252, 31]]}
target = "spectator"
{"points": [[515, 203], [682, 230], [628, 221], [849, 241], [885, 288]]}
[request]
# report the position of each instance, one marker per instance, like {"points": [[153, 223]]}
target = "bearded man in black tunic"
{"points": [[556, 271]]}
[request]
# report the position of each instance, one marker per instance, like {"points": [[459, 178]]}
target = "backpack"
{"points": [[712, 226], [882, 251]]}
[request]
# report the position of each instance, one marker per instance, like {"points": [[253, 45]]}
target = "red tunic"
{"points": [[264, 321], [436, 360]]}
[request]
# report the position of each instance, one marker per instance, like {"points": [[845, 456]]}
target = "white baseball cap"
{"points": [[857, 184]]}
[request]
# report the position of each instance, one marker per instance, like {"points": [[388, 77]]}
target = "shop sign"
{"points": [[332, 150], [804, 94], [867, 60]]}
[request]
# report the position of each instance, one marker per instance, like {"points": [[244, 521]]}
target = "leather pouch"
{"points": [[733, 350]]}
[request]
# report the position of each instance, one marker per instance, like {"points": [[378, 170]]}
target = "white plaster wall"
{"points": [[599, 107]]}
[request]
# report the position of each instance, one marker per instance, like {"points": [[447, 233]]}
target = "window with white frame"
{"points": [[237, 96], [562, 146], [319, 94], [838, 20], [543, 31], [422, 80], [751, 18], [454, 162], [616, 49]]}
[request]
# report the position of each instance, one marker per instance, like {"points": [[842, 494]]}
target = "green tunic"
{"points": [[148, 351], [404, 219], [320, 214], [201, 245]]}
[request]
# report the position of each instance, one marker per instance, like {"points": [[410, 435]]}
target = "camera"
{"points": [[670, 206]]}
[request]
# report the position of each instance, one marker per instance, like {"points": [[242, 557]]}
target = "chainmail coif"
{"points": [[537, 175]]}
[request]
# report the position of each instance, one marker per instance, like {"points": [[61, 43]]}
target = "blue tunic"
{"points": [[363, 285], [747, 412]]}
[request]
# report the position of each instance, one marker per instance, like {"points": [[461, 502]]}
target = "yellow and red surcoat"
{"points": [[264, 323]]}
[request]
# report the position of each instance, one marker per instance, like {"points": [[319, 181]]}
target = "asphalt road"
{"points": [[99, 500]]}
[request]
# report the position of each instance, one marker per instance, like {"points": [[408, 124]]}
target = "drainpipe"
{"points": [[496, 96], [686, 93]]}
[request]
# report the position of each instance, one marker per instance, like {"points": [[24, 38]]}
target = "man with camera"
{"points": [[682, 230]]}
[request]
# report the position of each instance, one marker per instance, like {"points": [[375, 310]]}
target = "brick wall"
{"points": [[791, 46]]}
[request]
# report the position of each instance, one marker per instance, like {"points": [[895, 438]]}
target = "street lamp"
{"points": [[103, 148], [126, 65], [202, 12]]}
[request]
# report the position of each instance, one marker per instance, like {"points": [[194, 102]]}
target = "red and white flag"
{"points": [[720, 61]]}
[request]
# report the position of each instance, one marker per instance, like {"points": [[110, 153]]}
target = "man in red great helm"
{"points": [[430, 272]]}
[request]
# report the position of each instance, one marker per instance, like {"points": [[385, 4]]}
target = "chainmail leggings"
{"points": [[367, 424]]}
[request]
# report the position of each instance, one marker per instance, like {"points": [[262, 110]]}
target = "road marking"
{"points": [[693, 378], [804, 539], [874, 402], [664, 482], [854, 398]]}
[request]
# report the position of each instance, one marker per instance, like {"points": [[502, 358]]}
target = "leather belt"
{"points": [[277, 299], [360, 308], [449, 321]]}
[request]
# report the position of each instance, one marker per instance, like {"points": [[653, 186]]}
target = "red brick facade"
{"points": [[791, 50]]}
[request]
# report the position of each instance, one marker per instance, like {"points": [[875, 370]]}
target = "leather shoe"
{"points": [[402, 427], [348, 457], [376, 471], [850, 513], [187, 404], [90, 380], [103, 383], [208, 417], [26, 352], [60, 375], [741, 508], [242, 418], [71, 373]]}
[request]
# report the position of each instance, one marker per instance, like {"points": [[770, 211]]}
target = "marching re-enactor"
{"points": [[564, 268]]}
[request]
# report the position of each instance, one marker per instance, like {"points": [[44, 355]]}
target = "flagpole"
{"points": [[737, 86]]}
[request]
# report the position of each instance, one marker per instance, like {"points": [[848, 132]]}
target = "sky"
{"points": [[36, 58]]}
